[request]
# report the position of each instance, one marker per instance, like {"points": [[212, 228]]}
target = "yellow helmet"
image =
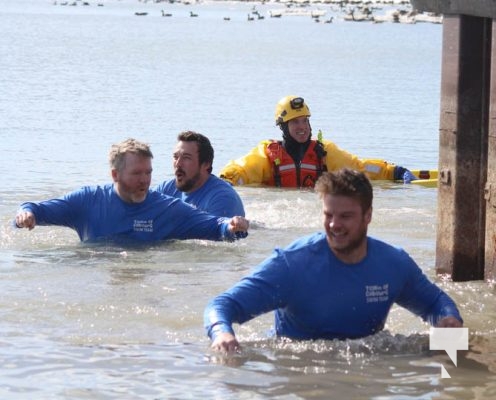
{"points": [[291, 107]]}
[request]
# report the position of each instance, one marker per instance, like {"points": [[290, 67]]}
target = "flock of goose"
{"points": [[359, 12], [75, 3]]}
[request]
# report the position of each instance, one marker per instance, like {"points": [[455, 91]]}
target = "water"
{"points": [[102, 322]]}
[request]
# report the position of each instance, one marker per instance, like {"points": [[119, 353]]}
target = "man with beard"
{"points": [[298, 160], [334, 285], [195, 184], [127, 210]]}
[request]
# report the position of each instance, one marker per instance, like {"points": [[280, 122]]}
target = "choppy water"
{"points": [[103, 322]]}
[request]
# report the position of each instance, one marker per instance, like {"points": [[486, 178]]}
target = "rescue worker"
{"points": [[298, 160]]}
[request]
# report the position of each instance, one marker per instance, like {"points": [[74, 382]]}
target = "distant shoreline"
{"points": [[302, 3], [397, 11], [372, 11]]}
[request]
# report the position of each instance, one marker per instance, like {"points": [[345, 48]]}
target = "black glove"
{"points": [[403, 174]]}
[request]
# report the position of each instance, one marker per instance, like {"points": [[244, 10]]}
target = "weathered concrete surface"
{"points": [[490, 187], [477, 8], [463, 140]]}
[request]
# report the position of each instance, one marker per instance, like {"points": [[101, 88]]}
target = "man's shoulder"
{"points": [[381, 246], [103, 190], [167, 187], [312, 242], [214, 182], [378, 249], [156, 195]]}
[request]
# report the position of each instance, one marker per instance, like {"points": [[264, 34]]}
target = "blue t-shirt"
{"points": [[317, 296], [97, 212], [216, 196]]}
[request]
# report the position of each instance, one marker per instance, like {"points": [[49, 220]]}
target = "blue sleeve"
{"points": [[160, 187], [180, 220], [225, 204], [425, 299], [217, 197], [266, 289], [63, 211], [220, 198], [167, 187]]}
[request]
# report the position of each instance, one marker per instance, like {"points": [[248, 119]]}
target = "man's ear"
{"points": [[115, 174], [207, 166], [368, 215]]}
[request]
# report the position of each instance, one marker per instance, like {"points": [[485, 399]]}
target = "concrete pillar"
{"points": [[463, 146], [490, 188]]}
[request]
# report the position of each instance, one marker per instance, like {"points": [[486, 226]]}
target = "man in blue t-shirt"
{"points": [[195, 184], [334, 285], [128, 210]]}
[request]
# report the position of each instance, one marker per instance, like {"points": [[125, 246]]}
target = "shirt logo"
{"points": [[377, 293], [143, 225]]}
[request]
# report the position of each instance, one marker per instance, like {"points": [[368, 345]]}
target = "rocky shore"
{"points": [[376, 11]]}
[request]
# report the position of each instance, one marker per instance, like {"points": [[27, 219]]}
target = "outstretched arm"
{"points": [[265, 289], [253, 168], [376, 169], [427, 300], [218, 318]]}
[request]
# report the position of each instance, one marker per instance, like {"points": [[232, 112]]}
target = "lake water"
{"points": [[97, 322]]}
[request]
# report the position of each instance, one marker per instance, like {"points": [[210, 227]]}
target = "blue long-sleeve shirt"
{"points": [[97, 212], [316, 296], [215, 196]]}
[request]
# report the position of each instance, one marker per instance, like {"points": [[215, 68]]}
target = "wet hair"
{"points": [[205, 149], [118, 152], [346, 182]]}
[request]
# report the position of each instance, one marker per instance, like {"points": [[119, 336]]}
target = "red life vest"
{"points": [[287, 173]]}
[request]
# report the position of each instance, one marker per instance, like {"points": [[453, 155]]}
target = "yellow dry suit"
{"points": [[258, 166]]}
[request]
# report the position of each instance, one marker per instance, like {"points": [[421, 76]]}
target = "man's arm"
{"points": [[60, 211], [427, 300], [375, 169], [265, 289], [179, 220], [253, 168], [222, 200], [218, 317]]}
